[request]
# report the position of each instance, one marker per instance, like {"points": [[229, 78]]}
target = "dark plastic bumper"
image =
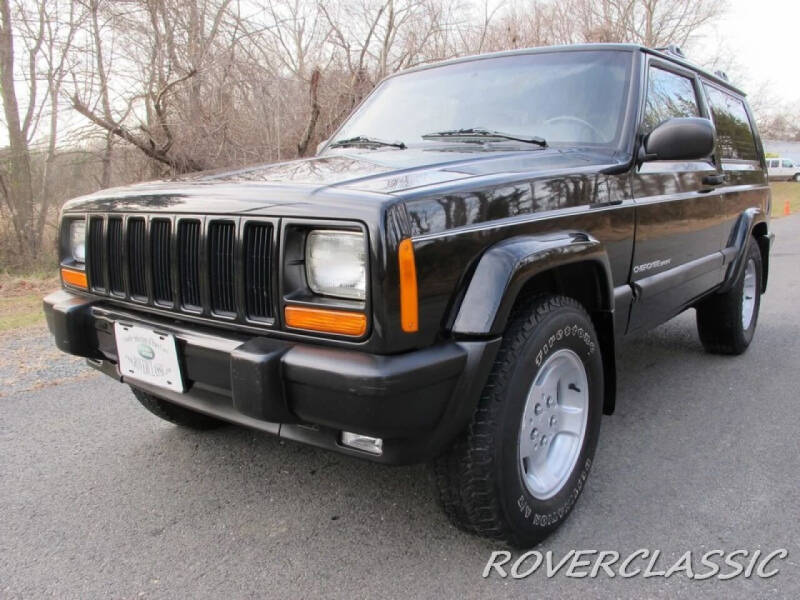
{"points": [[416, 401]]}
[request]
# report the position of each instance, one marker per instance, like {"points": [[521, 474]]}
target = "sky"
{"points": [[764, 39]]}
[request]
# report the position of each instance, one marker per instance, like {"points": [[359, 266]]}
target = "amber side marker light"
{"points": [[409, 305], [74, 278], [326, 321]]}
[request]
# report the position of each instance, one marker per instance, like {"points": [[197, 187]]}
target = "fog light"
{"points": [[366, 443]]}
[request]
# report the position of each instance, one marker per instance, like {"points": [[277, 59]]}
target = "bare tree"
{"points": [[42, 33], [157, 92], [171, 86], [16, 184]]}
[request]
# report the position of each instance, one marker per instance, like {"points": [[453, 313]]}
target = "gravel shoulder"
{"points": [[30, 361]]}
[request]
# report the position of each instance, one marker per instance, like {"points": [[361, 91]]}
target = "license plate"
{"points": [[147, 356]]}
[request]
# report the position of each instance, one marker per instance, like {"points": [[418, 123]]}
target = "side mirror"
{"points": [[689, 138]]}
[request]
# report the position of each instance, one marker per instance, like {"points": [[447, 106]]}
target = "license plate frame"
{"points": [[148, 356]]}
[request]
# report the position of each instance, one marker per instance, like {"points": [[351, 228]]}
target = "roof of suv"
{"points": [[573, 47]]}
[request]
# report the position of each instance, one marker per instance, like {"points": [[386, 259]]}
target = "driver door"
{"points": [[677, 249]]}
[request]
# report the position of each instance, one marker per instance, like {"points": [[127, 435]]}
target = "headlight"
{"points": [[77, 240], [336, 263]]}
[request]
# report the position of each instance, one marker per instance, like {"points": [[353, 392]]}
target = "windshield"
{"points": [[574, 98]]}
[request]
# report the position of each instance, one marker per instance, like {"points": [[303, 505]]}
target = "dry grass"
{"points": [[783, 192], [21, 299]]}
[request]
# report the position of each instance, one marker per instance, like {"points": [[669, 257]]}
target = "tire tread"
{"points": [[463, 473]]}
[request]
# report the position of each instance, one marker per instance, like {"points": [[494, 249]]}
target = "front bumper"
{"points": [[416, 401]]}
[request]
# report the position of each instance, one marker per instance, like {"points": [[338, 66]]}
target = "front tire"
{"points": [[727, 322], [175, 414], [517, 471]]}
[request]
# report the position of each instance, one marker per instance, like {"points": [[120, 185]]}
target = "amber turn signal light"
{"points": [[409, 305], [326, 321], [74, 278]]}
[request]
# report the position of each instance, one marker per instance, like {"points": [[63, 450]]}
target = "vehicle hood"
{"points": [[363, 176]]}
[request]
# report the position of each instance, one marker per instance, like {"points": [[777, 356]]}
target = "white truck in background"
{"points": [[783, 169]]}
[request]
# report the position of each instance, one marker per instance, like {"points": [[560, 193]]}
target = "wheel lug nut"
{"points": [[553, 421], [544, 440], [550, 401], [534, 432], [538, 409]]}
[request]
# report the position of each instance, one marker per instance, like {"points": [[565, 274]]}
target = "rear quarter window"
{"points": [[734, 131]]}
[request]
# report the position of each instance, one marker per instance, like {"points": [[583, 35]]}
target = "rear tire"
{"points": [[517, 471], [796, 177], [176, 414], [727, 322]]}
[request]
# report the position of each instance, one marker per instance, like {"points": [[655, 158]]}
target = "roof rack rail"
{"points": [[722, 75], [673, 49]]}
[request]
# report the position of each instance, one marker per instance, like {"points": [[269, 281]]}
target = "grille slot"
{"points": [[137, 259], [221, 237], [188, 264], [257, 270], [116, 282], [161, 257], [96, 264]]}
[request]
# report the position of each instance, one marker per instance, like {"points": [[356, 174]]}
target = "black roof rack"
{"points": [[673, 49], [722, 75]]}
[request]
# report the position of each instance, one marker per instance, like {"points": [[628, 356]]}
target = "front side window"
{"points": [[669, 95], [734, 132], [572, 98], [787, 164]]}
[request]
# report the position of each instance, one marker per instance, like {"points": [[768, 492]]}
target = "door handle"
{"points": [[714, 179]]}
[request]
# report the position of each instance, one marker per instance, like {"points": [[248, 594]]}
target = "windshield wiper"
{"points": [[363, 140], [480, 135]]}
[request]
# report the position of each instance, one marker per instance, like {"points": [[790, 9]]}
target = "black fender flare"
{"points": [[735, 250], [506, 267]]}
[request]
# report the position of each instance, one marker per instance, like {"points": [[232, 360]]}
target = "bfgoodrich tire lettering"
{"points": [[483, 490]]}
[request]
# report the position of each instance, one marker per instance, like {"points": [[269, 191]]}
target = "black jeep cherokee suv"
{"points": [[447, 279]]}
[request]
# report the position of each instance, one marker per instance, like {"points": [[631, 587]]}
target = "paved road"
{"points": [[99, 499]]}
